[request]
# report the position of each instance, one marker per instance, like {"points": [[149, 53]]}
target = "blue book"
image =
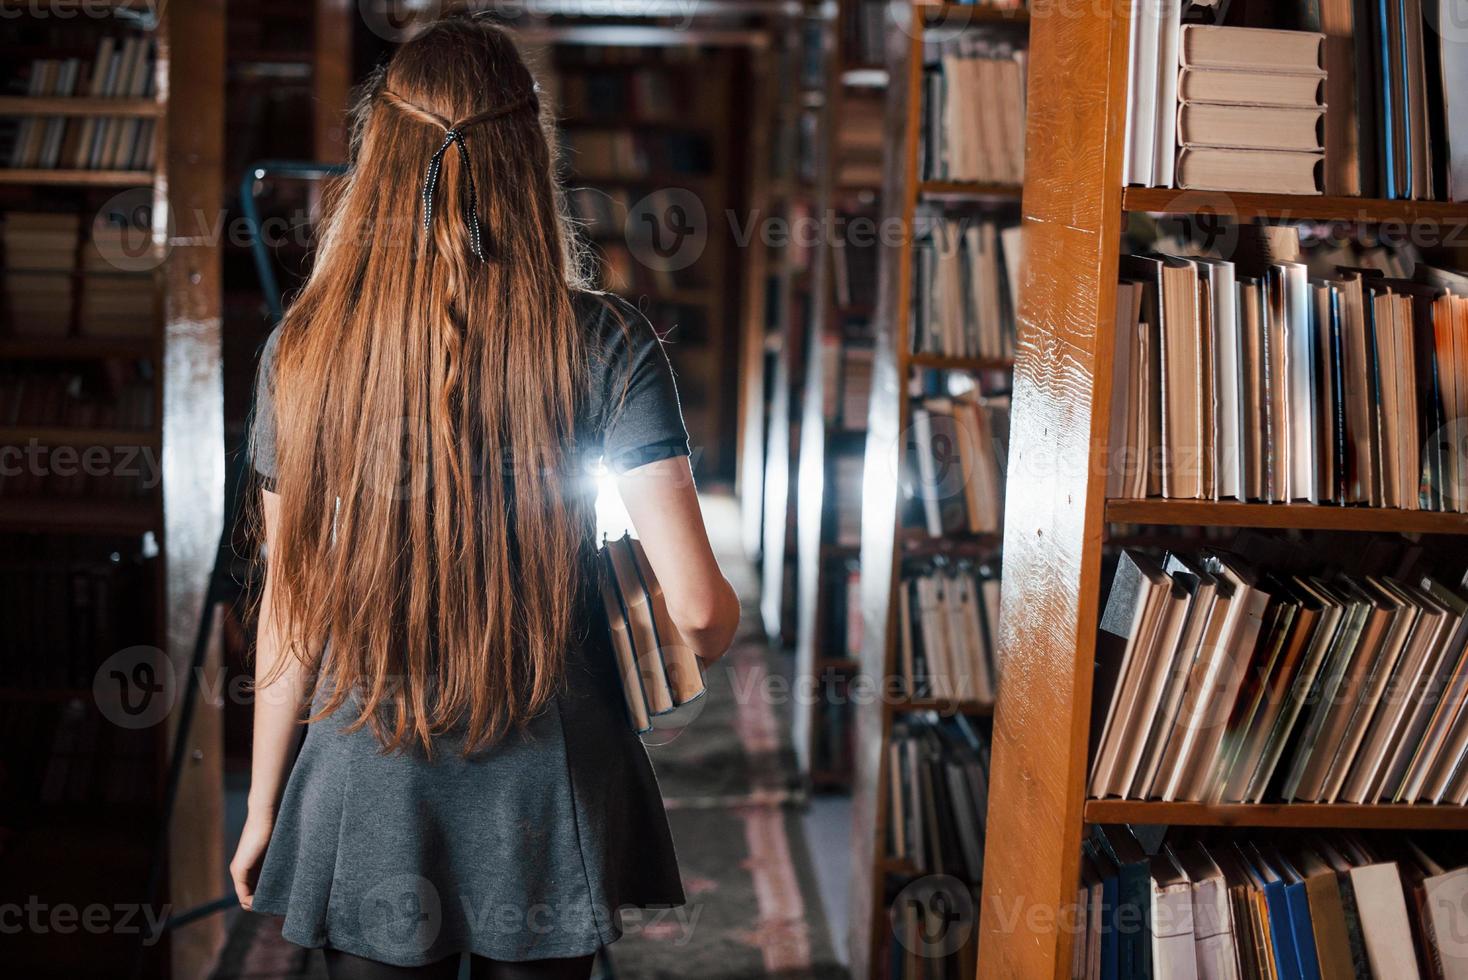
{"points": [[1110, 886], [1133, 900], [1281, 925], [1384, 94], [1299, 906]]}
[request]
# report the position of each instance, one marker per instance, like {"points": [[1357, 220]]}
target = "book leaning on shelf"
{"points": [[965, 289], [1287, 388], [1221, 681], [947, 622], [1250, 906], [959, 447]]}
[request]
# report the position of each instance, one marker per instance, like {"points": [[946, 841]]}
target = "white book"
{"points": [[1171, 921], [1167, 65], [1384, 924], [1215, 952], [1447, 896], [1303, 478], [1228, 404], [1142, 93]]}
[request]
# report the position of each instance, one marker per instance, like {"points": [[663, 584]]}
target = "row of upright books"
{"points": [[966, 289], [624, 153], [938, 772], [122, 68], [833, 727], [1249, 906], [647, 94], [1349, 97], [848, 384], [35, 395], [860, 143], [854, 271], [959, 447], [55, 279], [1224, 682], [947, 625], [68, 754], [973, 111], [64, 616], [1283, 387]]}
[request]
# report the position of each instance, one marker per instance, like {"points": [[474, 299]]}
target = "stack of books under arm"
{"points": [[965, 289], [959, 448], [1223, 682], [947, 621], [938, 772], [1253, 906], [1284, 388], [973, 125], [1348, 97]]}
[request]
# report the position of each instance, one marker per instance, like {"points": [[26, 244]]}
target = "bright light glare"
{"points": [[611, 514]]}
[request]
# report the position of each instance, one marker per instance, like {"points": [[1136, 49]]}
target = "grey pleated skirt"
{"points": [[526, 851]]}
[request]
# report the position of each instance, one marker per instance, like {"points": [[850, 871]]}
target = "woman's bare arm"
{"points": [[279, 704], [663, 504]]}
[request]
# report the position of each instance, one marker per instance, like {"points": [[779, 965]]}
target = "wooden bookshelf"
{"points": [[952, 14], [806, 45], [1382, 816], [969, 189], [760, 273], [95, 849], [822, 561], [1315, 517], [886, 542], [1299, 207], [1074, 212], [75, 178], [78, 105]]}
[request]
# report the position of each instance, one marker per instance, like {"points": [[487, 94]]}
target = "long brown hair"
{"points": [[426, 401]]}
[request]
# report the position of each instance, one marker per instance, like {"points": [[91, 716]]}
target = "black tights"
{"points": [[345, 966]]}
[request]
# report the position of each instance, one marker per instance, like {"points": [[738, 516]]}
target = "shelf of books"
{"points": [[799, 150], [838, 365], [932, 474], [1234, 620], [105, 124], [650, 171]]}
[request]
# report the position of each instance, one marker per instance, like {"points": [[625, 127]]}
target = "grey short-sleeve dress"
{"points": [[525, 851]]}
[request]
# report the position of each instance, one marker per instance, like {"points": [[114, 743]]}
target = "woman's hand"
{"points": [[244, 870]]}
